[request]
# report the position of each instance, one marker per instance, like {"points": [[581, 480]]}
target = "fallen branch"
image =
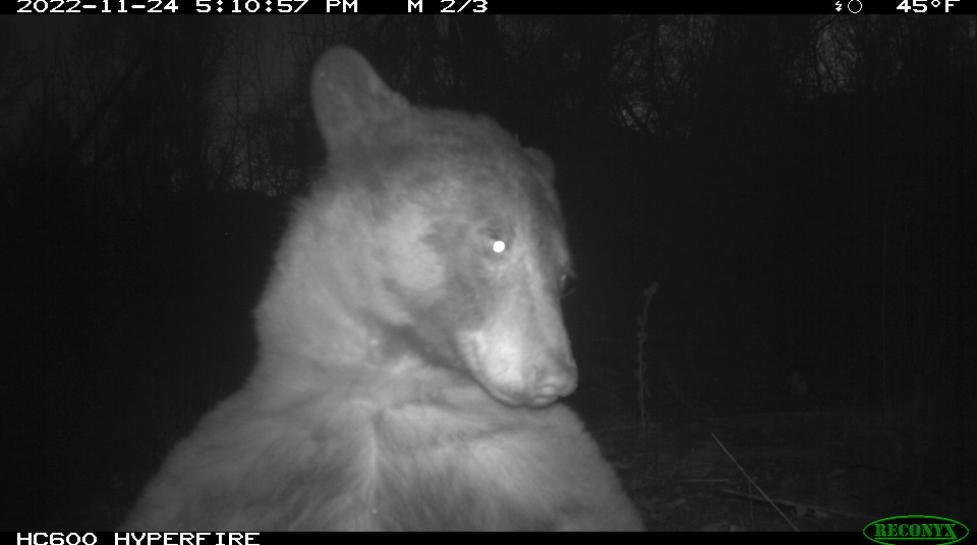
{"points": [[753, 483], [799, 506]]}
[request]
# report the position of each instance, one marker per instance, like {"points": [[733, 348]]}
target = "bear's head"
{"points": [[433, 236]]}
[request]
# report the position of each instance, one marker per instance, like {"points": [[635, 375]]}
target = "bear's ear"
{"points": [[543, 163], [348, 95]]}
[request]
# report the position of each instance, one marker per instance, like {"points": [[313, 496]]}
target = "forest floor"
{"points": [[824, 471]]}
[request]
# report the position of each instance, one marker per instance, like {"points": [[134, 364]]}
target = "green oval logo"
{"points": [[917, 528]]}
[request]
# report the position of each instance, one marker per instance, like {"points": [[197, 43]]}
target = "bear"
{"points": [[411, 345]]}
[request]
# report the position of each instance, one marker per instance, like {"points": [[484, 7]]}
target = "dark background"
{"points": [[800, 189]]}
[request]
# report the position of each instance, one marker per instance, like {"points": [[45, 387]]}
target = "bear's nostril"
{"points": [[549, 390], [556, 381]]}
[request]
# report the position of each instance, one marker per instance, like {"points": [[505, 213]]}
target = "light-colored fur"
{"points": [[413, 450]]}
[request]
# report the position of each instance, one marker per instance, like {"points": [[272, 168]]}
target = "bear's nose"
{"points": [[556, 379]]}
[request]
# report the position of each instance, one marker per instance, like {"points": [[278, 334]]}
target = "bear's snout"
{"points": [[553, 380]]}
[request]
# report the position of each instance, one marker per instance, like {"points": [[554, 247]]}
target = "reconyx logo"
{"points": [[918, 528]]}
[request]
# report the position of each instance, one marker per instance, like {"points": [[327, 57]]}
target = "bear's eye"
{"points": [[496, 240], [568, 284]]}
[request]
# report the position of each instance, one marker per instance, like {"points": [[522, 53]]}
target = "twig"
{"points": [[796, 504], [753, 483], [642, 371]]}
